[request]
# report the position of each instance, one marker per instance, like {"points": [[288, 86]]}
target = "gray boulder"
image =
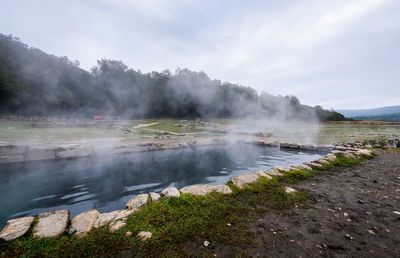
{"points": [[309, 147], [33, 154], [261, 173], [105, 219], [81, 151], [170, 192], [288, 145], [321, 161], [206, 189], [154, 196], [282, 168], [137, 201], [16, 228], [301, 167], [363, 152], [116, 225], [313, 165], [84, 222], [51, 223], [243, 179], [123, 215], [330, 157], [273, 172]]}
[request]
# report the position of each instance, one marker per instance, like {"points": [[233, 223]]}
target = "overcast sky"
{"points": [[338, 54]]}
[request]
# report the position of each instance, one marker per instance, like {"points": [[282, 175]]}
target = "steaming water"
{"points": [[107, 183]]}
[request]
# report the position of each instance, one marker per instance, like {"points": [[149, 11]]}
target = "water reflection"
{"points": [[108, 182]]}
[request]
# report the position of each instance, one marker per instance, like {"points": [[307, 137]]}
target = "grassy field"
{"points": [[21, 131]]}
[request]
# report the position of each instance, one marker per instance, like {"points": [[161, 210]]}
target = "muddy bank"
{"points": [[349, 214]]}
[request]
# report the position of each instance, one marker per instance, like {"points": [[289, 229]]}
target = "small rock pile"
{"points": [[192, 123]]}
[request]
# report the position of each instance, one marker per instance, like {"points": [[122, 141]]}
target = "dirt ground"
{"points": [[349, 214]]}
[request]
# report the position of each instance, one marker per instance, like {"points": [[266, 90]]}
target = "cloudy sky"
{"points": [[338, 54]]}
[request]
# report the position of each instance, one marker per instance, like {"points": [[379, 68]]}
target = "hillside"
{"points": [[35, 83], [373, 112], [395, 117]]}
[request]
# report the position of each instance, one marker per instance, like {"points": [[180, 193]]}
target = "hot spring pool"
{"points": [[106, 183]]}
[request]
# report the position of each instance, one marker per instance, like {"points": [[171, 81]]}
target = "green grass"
{"points": [[170, 126], [176, 221]]}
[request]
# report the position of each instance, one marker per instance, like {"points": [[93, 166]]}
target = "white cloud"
{"points": [[313, 49]]}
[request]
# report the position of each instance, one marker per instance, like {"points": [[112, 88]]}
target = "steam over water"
{"points": [[108, 182]]}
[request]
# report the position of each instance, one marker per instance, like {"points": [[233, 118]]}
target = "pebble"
{"points": [[348, 237], [206, 243]]}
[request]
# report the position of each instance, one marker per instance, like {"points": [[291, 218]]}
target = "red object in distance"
{"points": [[97, 117]]}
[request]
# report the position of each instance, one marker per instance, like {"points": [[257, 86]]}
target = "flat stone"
{"points": [[259, 173], [363, 152], [271, 144], [288, 145], [342, 148], [116, 225], [154, 196], [321, 161], [258, 142], [123, 214], [84, 222], [11, 150], [243, 179], [33, 154], [282, 168], [301, 167], [290, 190], [144, 235], [51, 223], [325, 147], [16, 228], [104, 219], [330, 157], [5, 159], [313, 165], [336, 152], [206, 189], [137, 201], [81, 151], [170, 192], [273, 172], [308, 147], [349, 155]]}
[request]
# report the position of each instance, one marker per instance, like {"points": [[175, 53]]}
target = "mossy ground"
{"points": [[217, 218]]}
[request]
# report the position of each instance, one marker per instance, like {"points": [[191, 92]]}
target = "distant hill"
{"points": [[395, 117], [391, 111]]}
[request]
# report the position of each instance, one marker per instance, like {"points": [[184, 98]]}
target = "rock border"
{"points": [[56, 222]]}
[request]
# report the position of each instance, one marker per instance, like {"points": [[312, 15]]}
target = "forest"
{"points": [[35, 83]]}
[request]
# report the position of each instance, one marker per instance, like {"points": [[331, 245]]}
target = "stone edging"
{"points": [[54, 223]]}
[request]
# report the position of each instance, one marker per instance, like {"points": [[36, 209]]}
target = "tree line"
{"points": [[35, 83]]}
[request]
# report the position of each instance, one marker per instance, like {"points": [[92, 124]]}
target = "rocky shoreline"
{"points": [[57, 222]]}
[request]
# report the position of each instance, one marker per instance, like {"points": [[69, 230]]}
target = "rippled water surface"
{"points": [[108, 182]]}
